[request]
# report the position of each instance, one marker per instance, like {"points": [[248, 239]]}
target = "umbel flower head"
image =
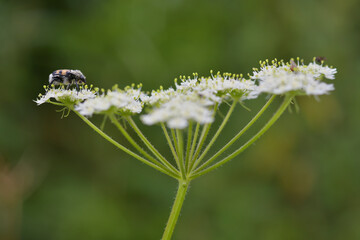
{"points": [[66, 96], [158, 96], [123, 102], [194, 98], [219, 87], [179, 110], [281, 77]]}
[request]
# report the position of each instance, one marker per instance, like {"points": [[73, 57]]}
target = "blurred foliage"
{"points": [[59, 180]]}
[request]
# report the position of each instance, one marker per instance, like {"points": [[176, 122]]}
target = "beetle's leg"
{"points": [[55, 79], [50, 83]]}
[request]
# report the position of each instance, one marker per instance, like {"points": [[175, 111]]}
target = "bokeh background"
{"points": [[60, 180]]}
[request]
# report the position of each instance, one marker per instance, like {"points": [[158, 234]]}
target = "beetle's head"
{"points": [[80, 77]]}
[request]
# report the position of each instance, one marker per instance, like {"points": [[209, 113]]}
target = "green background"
{"points": [[60, 180]]}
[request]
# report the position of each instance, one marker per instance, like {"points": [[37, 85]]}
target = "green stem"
{"points": [[202, 139], [233, 140], [132, 142], [188, 144], [196, 134], [149, 145], [168, 139], [173, 134], [56, 103], [175, 211], [272, 120], [180, 141], [121, 147], [197, 161], [203, 136]]}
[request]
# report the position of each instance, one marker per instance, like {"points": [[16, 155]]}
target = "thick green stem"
{"points": [[216, 135], [272, 120], [121, 147], [149, 145], [175, 211], [233, 140]]}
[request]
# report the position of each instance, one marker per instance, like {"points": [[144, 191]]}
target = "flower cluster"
{"points": [[194, 98], [179, 110], [114, 101], [220, 87], [66, 96], [157, 97], [281, 78]]}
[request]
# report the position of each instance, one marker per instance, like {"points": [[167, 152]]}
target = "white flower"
{"points": [[219, 87], [318, 88], [318, 70], [281, 78], [158, 96], [95, 105], [66, 96], [178, 111], [187, 84], [123, 102], [208, 90], [194, 97], [229, 86]]}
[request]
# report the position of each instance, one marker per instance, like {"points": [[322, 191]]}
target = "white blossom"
{"points": [[123, 102], [318, 88], [219, 87], [66, 96], [318, 70], [280, 78], [210, 90], [178, 111], [158, 96], [194, 98]]}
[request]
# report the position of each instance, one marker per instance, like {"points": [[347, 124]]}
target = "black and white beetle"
{"points": [[67, 77]]}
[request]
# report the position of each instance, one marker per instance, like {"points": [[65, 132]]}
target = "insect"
{"points": [[320, 60], [67, 77], [293, 66]]}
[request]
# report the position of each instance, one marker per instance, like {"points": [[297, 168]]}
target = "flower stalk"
{"points": [[216, 135], [287, 100], [235, 138], [121, 147], [171, 145], [175, 211], [180, 142], [132, 141], [150, 146]]}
